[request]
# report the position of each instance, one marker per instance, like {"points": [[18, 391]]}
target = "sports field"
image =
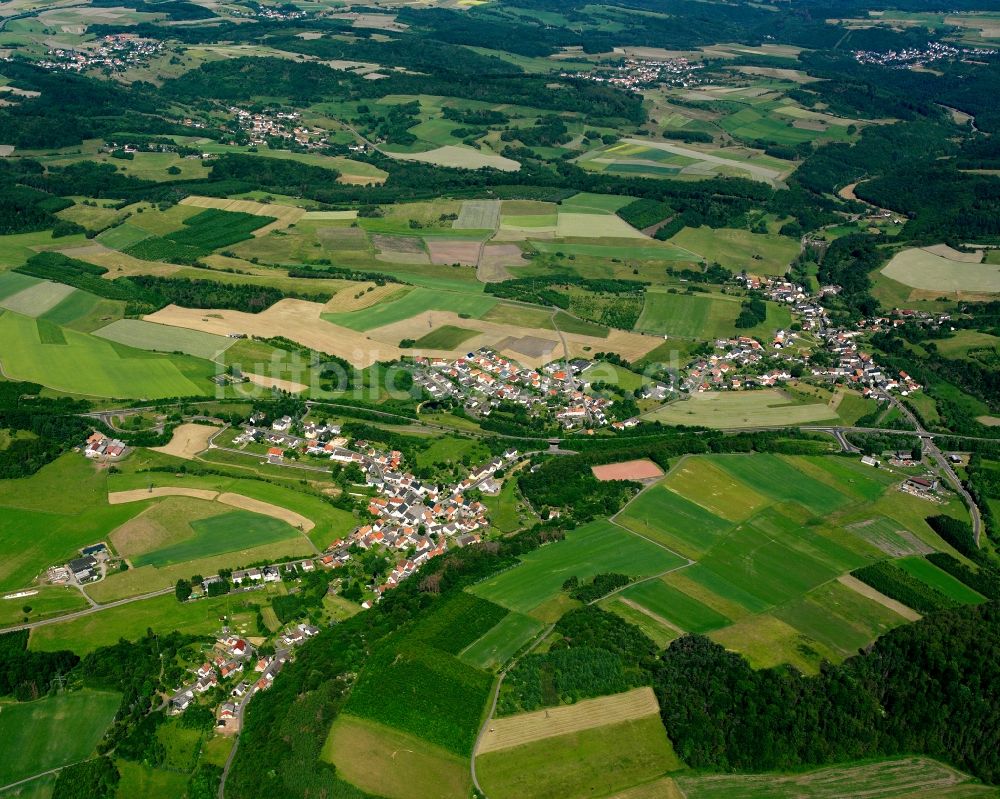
{"points": [[735, 409], [394, 764], [215, 535], [591, 762], [599, 546], [921, 269], [414, 302], [164, 338], [52, 732], [81, 363]]}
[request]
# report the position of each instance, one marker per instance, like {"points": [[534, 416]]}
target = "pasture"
{"points": [[51, 600], [704, 316], [758, 253], [163, 338], [599, 546], [53, 731], [81, 363], [735, 409], [921, 269], [590, 762], [386, 762]]}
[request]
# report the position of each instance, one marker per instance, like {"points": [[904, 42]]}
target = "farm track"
{"points": [[89, 611]]}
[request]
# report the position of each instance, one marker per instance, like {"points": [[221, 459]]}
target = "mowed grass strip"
{"points": [[386, 762], [85, 364], [592, 762], [928, 573], [414, 302], [675, 606], [165, 338], [523, 728], [671, 520], [72, 308], [599, 546], [52, 732], [216, 535], [37, 299], [501, 643]]}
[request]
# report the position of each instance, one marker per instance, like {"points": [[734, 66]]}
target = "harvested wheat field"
{"points": [[495, 260], [275, 382], [505, 733], [643, 469], [188, 440], [284, 215], [232, 500], [297, 320], [365, 295]]}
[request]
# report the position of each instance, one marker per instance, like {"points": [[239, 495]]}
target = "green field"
{"points": [[414, 302], [227, 532], [52, 732], [758, 253], [88, 365], [675, 606], [502, 642], [594, 762], [151, 783], [927, 572], [781, 480], [162, 614], [689, 528], [73, 308], [37, 531], [51, 600], [36, 299], [164, 338], [446, 337], [394, 764], [705, 316], [596, 547]]}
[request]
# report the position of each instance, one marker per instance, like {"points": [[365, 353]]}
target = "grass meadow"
{"points": [[703, 316], [52, 732], [414, 302], [501, 643]]}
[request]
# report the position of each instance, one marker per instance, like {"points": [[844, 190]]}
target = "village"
{"points": [[262, 128], [116, 53], [912, 57], [635, 73]]}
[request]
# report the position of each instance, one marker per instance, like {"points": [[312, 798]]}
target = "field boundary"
{"points": [[855, 584]]}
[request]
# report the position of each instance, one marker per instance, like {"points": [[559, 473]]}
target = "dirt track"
{"points": [[866, 590], [588, 714]]}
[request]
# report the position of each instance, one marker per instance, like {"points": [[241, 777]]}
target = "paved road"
{"points": [[81, 613]]}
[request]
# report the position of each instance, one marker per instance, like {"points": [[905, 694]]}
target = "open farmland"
{"points": [[628, 470], [478, 215], [37, 298], [769, 547], [282, 215], [415, 302], [929, 271], [460, 157], [52, 732], [81, 363], [589, 762], [446, 337], [596, 547], [735, 409], [162, 338], [499, 644], [394, 764], [758, 253]]}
